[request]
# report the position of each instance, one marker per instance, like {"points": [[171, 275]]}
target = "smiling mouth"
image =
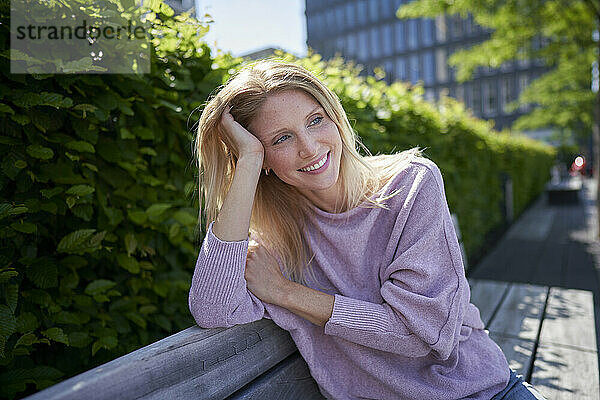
{"points": [[317, 165]]}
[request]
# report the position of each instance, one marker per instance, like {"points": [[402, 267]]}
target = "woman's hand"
{"points": [[244, 142], [263, 276]]}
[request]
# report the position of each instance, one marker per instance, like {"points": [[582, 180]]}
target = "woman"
{"points": [[355, 256]]}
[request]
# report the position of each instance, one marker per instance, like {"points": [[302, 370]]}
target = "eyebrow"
{"points": [[272, 135]]}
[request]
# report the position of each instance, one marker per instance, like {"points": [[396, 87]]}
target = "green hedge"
{"points": [[98, 219], [98, 212]]}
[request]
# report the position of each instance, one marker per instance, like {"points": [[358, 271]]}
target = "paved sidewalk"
{"points": [[550, 245]]}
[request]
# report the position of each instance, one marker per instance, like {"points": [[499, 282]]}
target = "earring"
{"points": [[266, 171]]}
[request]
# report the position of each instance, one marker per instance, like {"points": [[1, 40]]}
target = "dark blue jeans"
{"points": [[518, 389]]}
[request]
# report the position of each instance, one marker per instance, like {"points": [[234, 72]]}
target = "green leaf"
{"points": [[57, 335], [27, 340], [4, 108], [43, 274], [139, 217], [24, 227], [156, 210], [18, 210], [81, 241], [99, 286], [105, 342], [185, 218], [26, 322], [80, 190], [41, 152], [128, 263], [163, 322], [38, 296], [49, 193], [6, 275], [8, 323], [136, 319], [43, 99], [126, 134], [130, 243], [80, 146]]}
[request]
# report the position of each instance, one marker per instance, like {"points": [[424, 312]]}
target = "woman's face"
{"points": [[302, 144]]}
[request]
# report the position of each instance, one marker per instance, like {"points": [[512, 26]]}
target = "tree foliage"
{"points": [[558, 33]]}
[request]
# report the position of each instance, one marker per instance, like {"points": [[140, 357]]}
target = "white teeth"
{"points": [[316, 166]]}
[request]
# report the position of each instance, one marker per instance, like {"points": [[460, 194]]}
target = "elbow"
{"points": [[207, 315]]}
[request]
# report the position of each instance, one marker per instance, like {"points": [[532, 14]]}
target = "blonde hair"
{"points": [[278, 214]]}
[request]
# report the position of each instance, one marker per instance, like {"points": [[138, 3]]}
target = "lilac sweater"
{"points": [[402, 325]]}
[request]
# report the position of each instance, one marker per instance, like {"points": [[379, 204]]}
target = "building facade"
{"points": [[368, 32]]}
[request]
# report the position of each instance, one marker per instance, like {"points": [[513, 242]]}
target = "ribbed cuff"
{"points": [[355, 314], [220, 268]]}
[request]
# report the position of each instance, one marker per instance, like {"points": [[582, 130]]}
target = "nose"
{"points": [[307, 145]]}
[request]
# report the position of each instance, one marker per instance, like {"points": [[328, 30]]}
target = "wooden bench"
{"points": [[564, 192], [547, 334]]}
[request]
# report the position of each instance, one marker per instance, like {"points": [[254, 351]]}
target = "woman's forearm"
{"points": [[233, 221], [308, 303]]}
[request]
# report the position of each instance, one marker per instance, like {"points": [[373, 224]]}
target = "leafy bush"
{"points": [[97, 221]]}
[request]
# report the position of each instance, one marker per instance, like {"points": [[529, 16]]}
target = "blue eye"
{"points": [[282, 139], [315, 121]]}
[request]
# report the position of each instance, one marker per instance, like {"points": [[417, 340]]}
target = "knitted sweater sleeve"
{"points": [[218, 295], [425, 292]]}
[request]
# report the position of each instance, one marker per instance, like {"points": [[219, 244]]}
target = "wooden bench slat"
{"points": [[185, 365], [569, 319], [518, 352], [290, 380], [486, 295], [521, 311], [566, 373]]}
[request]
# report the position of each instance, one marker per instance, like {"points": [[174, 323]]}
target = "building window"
{"points": [[413, 69], [388, 67], [387, 35], [506, 93], [330, 21], [387, 9], [375, 44], [490, 97], [428, 68], [374, 10], [427, 31], [457, 26], [523, 83], [362, 12], [401, 69], [363, 45], [413, 33], [441, 68], [440, 28], [399, 37], [339, 18], [351, 45], [468, 95], [340, 44], [459, 93], [349, 10], [477, 98]]}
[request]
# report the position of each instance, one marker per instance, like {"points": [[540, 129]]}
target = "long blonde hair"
{"points": [[278, 214]]}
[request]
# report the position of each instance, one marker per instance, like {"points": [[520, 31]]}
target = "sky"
{"points": [[244, 26]]}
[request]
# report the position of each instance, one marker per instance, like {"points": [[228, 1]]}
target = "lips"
{"points": [[317, 166]]}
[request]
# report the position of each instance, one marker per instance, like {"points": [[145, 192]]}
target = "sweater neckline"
{"points": [[361, 207]]}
